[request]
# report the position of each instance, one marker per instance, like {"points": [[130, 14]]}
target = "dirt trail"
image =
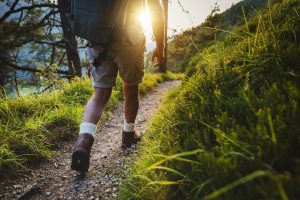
{"points": [[55, 180]]}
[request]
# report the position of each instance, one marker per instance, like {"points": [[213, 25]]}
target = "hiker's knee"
{"points": [[102, 94]]}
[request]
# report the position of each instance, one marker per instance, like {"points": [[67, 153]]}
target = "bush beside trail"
{"points": [[232, 130]]}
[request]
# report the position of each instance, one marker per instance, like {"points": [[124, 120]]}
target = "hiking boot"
{"points": [[81, 153], [129, 138]]}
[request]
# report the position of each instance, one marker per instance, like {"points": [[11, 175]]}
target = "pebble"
{"points": [[108, 190], [17, 186], [48, 193]]}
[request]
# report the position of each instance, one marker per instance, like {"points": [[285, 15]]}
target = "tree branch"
{"points": [[59, 44], [29, 69], [13, 10]]}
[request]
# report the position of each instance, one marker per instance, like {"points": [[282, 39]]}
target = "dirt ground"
{"points": [[54, 179]]}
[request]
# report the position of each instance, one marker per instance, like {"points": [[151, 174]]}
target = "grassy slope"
{"points": [[30, 125], [181, 49], [232, 130]]}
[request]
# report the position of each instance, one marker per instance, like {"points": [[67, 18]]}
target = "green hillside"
{"points": [[231, 131], [216, 26]]}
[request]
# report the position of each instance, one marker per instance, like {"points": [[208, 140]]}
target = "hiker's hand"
{"points": [[158, 57]]}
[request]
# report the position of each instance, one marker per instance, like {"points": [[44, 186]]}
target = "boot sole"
{"points": [[80, 161]]}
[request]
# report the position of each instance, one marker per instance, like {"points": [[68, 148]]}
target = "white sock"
{"points": [[128, 127], [89, 128]]}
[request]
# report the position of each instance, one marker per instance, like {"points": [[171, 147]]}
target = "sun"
{"points": [[144, 16], [145, 20]]}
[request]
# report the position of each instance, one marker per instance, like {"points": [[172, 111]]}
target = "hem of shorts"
{"points": [[134, 83], [103, 85]]}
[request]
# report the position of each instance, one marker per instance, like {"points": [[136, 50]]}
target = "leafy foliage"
{"points": [[33, 41]]}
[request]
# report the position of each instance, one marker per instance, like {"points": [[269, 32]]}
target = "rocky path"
{"points": [[55, 180]]}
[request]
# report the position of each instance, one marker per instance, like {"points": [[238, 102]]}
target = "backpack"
{"points": [[97, 20]]}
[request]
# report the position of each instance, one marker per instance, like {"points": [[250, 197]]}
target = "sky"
{"points": [[180, 20]]}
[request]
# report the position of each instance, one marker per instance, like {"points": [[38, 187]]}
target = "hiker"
{"points": [[124, 54]]}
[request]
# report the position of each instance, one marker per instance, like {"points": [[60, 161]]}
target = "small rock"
{"points": [[17, 186], [108, 190], [115, 183], [91, 197], [48, 193]]}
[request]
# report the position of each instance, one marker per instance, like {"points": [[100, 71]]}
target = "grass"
{"points": [[231, 131], [31, 125]]}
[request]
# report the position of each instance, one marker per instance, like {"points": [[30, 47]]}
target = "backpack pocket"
{"points": [[89, 24]]}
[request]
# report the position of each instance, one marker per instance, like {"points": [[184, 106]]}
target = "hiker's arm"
{"points": [[158, 26]]}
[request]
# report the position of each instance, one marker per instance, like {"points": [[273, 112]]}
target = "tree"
{"points": [[163, 67], [70, 40], [19, 24], [3, 72], [35, 29]]}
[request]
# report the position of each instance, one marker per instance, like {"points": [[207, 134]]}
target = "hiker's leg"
{"points": [[96, 105], [131, 97], [129, 135], [131, 102], [93, 112], [130, 62], [103, 79]]}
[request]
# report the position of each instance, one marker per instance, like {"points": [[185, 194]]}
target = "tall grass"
{"points": [[238, 112], [31, 125]]}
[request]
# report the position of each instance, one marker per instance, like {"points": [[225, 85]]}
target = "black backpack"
{"points": [[97, 20]]}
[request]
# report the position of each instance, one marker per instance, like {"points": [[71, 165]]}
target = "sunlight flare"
{"points": [[145, 20]]}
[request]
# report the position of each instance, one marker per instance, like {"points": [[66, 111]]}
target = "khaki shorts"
{"points": [[127, 59]]}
